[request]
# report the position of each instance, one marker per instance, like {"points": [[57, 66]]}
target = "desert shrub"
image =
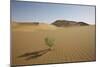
{"points": [[49, 42]]}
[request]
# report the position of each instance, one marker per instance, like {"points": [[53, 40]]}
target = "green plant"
{"points": [[49, 42]]}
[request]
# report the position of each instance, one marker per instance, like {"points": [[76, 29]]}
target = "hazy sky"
{"points": [[48, 13]]}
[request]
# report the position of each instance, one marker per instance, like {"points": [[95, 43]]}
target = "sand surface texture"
{"points": [[71, 44]]}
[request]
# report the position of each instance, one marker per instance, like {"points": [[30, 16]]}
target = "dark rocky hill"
{"points": [[66, 23]]}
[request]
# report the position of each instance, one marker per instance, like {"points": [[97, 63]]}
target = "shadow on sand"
{"points": [[33, 55]]}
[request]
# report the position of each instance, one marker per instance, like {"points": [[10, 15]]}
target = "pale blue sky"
{"points": [[49, 12]]}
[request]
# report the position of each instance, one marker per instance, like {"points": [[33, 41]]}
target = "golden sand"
{"points": [[71, 44]]}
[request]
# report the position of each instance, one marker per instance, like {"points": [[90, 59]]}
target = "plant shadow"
{"points": [[34, 55]]}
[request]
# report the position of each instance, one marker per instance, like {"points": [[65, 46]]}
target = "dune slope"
{"points": [[71, 44]]}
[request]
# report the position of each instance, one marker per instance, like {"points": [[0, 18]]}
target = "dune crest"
{"points": [[32, 26]]}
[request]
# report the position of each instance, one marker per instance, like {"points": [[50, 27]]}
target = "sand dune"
{"points": [[71, 44], [30, 27]]}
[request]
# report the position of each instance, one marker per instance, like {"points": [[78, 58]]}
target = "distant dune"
{"points": [[71, 44], [33, 26]]}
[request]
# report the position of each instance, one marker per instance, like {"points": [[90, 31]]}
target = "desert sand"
{"points": [[71, 44]]}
